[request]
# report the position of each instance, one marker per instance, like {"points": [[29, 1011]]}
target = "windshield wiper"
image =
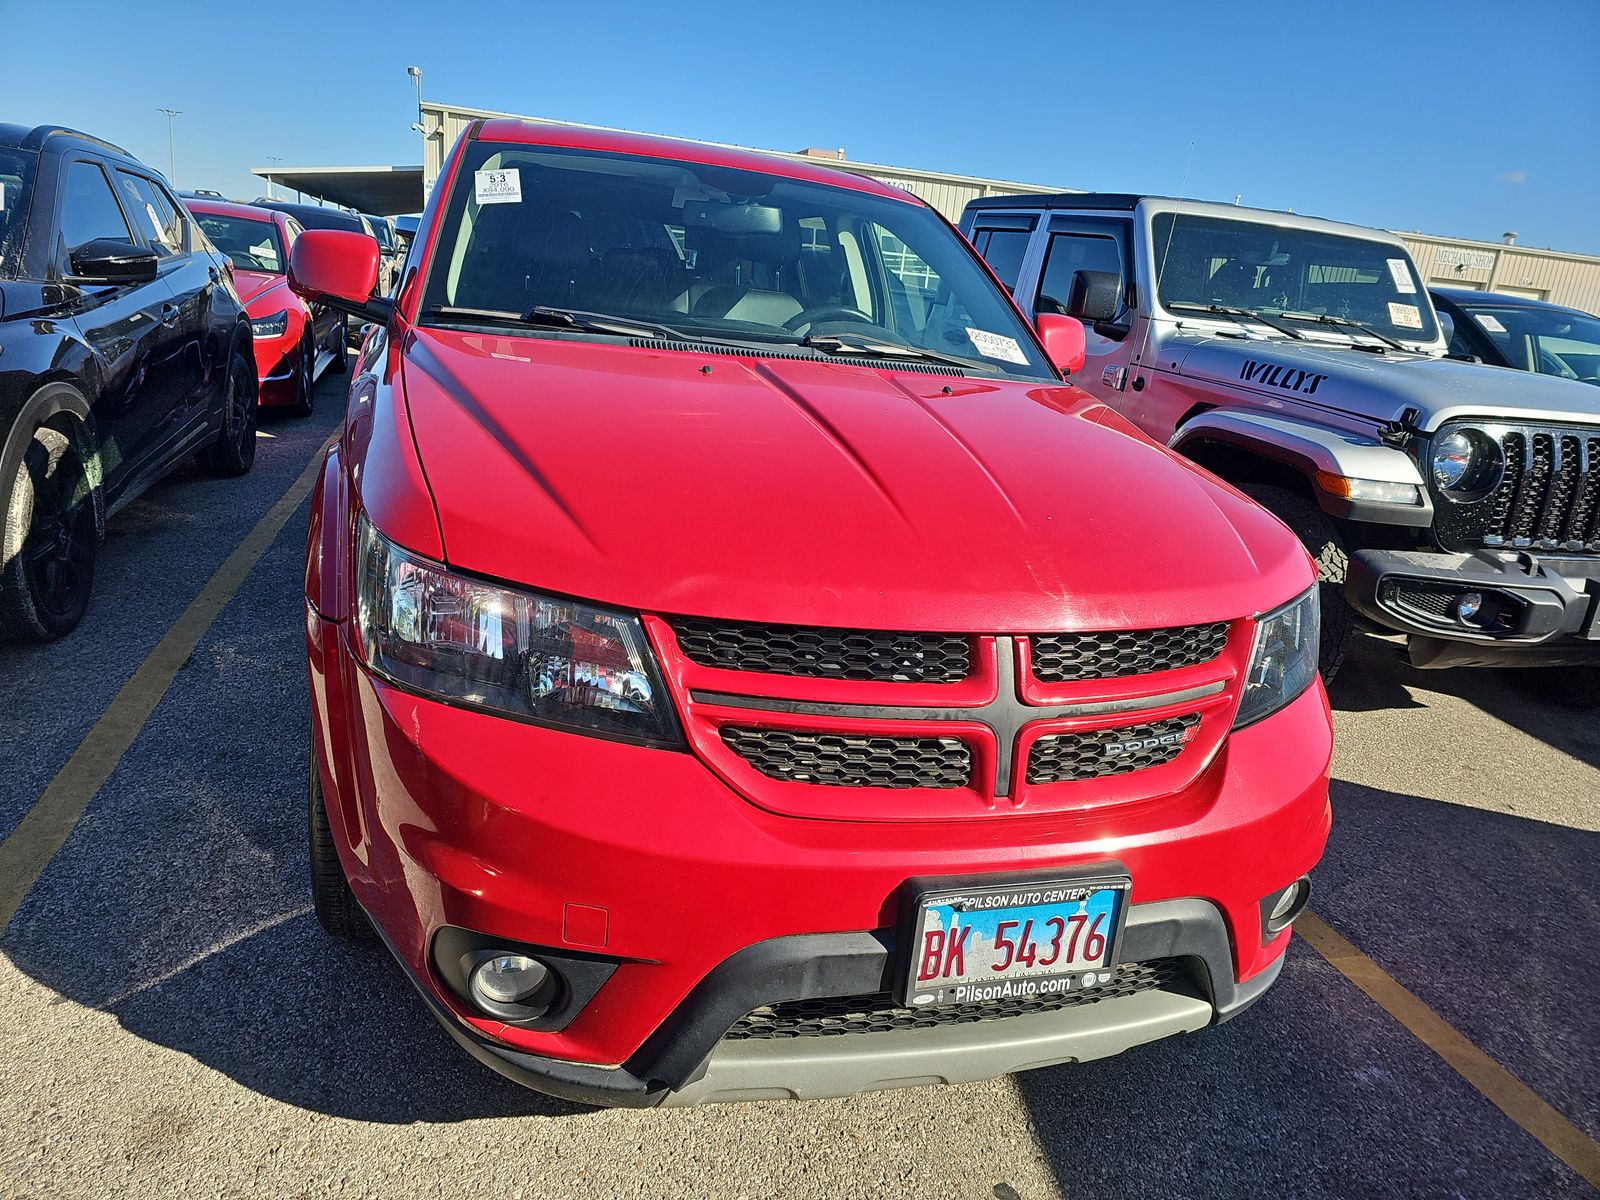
{"points": [[834, 344], [1250, 314], [562, 318], [1345, 323]]}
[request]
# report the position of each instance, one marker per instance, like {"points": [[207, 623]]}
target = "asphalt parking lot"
{"points": [[176, 1023]]}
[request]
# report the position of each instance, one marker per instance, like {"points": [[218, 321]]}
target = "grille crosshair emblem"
{"points": [[1006, 715]]}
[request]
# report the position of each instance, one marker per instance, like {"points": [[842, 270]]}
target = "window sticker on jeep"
{"points": [[1405, 316], [1490, 322], [1402, 275], [497, 187], [996, 345]]}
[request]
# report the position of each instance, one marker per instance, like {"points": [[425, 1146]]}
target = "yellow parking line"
{"points": [[44, 830], [1498, 1085]]}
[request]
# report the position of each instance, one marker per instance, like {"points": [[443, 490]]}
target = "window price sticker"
{"points": [[1401, 274], [1405, 316], [996, 345], [497, 187]]}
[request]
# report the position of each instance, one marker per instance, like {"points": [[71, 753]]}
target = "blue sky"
{"points": [[1466, 118]]}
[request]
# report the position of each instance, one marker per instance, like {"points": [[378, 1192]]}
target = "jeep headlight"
{"points": [[270, 327], [513, 653], [1465, 463], [1283, 660]]}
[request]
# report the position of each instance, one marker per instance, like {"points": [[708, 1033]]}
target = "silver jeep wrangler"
{"points": [[1302, 361]]}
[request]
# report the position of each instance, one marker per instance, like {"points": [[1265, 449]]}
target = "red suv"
{"points": [[742, 668]]}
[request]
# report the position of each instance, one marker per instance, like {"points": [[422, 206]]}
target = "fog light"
{"points": [[1468, 605], [507, 979], [1279, 910]]}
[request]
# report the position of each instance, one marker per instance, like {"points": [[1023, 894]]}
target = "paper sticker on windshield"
{"points": [[1489, 321], [1402, 275], [1405, 316], [497, 187], [996, 345]]}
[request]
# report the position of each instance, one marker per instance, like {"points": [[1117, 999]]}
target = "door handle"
{"points": [[216, 275], [169, 314]]}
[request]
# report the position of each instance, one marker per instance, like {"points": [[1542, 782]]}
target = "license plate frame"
{"points": [[988, 902]]}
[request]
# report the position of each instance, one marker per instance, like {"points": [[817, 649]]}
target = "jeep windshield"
{"points": [[726, 255], [1295, 276]]}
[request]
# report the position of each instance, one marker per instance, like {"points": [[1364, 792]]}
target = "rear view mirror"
{"points": [[1095, 295], [113, 260], [340, 269], [736, 220], [1064, 341]]}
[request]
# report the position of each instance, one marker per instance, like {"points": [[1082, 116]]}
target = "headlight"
{"points": [[1465, 463], [270, 327], [1452, 459], [1283, 661], [513, 653]]}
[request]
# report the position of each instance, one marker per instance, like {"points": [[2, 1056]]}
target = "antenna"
{"points": [[1161, 267]]}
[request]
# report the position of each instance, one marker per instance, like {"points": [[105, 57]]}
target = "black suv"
{"points": [[123, 351]]}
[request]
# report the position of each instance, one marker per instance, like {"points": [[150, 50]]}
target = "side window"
{"points": [[293, 229], [89, 209], [1003, 250], [1066, 255], [151, 212]]}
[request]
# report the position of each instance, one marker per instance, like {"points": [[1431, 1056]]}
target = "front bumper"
{"points": [[447, 818], [1534, 612], [277, 360], [687, 1061]]}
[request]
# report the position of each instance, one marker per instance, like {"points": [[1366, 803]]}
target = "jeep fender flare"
{"points": [[1307, 449]]}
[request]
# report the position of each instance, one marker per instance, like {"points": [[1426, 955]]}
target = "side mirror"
{"points": [[1095, 295], [339, 269], [1063, 340], [113, 260], [1447, 324]]}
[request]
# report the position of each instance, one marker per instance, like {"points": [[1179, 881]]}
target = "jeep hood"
{"points": [[1376, 386], [816, 492]]}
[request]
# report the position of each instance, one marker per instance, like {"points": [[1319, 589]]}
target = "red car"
{"points": [[741, 667], [295, 340]]}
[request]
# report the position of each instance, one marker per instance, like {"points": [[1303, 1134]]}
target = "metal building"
{"points": [[1554, 275], [949, 194]]}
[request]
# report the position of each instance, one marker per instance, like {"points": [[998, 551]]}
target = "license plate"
{"points": [[1003, 942]]}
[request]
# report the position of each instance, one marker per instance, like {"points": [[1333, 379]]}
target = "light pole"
{"points": [[172, 155], [416, 78], [272, 158]]}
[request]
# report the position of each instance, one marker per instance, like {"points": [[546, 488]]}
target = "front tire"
{"points": [[331, 897], [305, 379], [48, 540], [1321, 538], [341, 346], [234, 451]]}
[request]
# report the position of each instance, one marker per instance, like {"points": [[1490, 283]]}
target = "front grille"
{"points": [[1547, 498], [1097, 753], [1065, 657], [841, 760], [878, 1013], [825, 653]]}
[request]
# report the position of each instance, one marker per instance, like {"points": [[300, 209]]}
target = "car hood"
{"points": [[1379, 386], [254, 286], [814, 492]]}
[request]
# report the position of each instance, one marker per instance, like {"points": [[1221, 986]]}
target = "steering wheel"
{"points": [[811, 316]]}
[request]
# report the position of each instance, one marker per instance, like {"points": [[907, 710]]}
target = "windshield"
{"points": [[1298, 274], [717, 253], [1546, 340], [252, 245], [16, 181]]}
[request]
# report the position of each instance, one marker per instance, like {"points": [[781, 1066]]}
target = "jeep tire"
{"points": [[1321, 538]]}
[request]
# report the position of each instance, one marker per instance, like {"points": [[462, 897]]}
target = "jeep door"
{"points": [[127, 326], [1085, 271]]}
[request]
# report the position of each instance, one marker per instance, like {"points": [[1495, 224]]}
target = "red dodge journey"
{"points": [[742, 667]]}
